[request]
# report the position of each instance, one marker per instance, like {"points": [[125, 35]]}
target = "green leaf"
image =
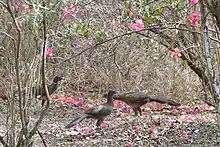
{"points": [[100, 39], [147, 19], [125, 14], [128, 4], [145, 1], [83, 31], [93, 98], [50, 30], [101, 32], [86, 34], [184, 64]]}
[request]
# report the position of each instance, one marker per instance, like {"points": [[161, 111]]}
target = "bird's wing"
{"points": [[132, 96], [100, 110]]}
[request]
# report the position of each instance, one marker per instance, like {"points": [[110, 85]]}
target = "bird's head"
{"points": [[109, 94], [57, 79]]}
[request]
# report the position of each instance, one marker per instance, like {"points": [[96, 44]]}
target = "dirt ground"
{"points": [[189, 126]]}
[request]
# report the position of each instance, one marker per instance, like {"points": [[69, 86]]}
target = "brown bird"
{"points": [[98, 112], [137, 99]]}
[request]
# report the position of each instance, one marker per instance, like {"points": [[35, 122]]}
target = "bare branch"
{"points": [[33, 131], [4, 5], [3, 141], [43, 140]]}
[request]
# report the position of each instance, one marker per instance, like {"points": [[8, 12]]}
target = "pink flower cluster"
{"points": [[49, 52], [193, 2], [24, 8], [176, 54], [68, 11], [194, 19], [138, 25], [129, 11]]}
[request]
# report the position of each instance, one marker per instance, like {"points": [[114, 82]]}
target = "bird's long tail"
{"points": [[165, 101], [76, 121]]}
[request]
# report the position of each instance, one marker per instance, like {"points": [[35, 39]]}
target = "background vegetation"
{"points": [[96, 48]]}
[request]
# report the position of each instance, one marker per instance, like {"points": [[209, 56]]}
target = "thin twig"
{"points": [[4, 5], [3, 141], [33, 131], [17, 70], [41, 136], [132, 32]]}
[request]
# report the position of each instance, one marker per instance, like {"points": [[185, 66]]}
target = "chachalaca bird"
{"points": [[40, 91], [137, 99], [98, 112]]}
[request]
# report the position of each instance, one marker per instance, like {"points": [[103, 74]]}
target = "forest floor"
{"points": [[159, 126]]}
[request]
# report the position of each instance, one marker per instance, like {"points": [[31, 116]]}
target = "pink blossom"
{"points": [[68, 11], [138, 25], [188, 118], [205, 107], [125, 108], [175, 109], [138, 128], [129, 11], [172, 119], [25, 9], [117, 103], [67, 100], [113, 124], [176, 54], [152, 131], [193, 2], [156, 123], [130, 144], [18, 21], [196, 14], [70, 100], [104, 124], [49, 52], [83, 130], [14, 8], [79, 104], [116, 23], [194, 19], [184, 134]]}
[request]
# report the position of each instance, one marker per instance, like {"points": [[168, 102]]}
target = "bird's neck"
{"points": [[53, 85], [110, 101]]}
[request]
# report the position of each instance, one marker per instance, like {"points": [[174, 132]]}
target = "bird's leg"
{"points": [[135, 111], [99, 122], [140, 111]]}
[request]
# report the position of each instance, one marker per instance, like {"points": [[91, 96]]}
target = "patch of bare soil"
{"points": [[154, 128], [157, 128]]}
